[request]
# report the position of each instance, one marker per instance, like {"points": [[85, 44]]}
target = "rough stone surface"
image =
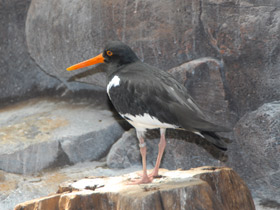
{"points": [[242, 35], [184, 150], [245, 34], [20, 76], [47, 181], [258, 135], [2, 176], [38, 134], [206, 75], [201, 188]]}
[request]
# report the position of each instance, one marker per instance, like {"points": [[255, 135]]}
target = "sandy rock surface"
{"points": [[40, 134]]}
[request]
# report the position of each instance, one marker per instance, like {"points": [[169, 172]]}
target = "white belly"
{"points": [[146, 121]]}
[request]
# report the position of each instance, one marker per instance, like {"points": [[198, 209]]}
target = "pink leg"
{"points": [[143, 151], [161, 147]]}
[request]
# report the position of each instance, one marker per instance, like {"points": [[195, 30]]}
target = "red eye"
{"points": [[109, 53]]}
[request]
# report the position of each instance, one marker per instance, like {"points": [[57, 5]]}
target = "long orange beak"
{"points": [[89, 62]]}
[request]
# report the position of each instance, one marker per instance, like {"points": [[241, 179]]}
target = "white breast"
{"points": [[146, 121], [115, 81]]}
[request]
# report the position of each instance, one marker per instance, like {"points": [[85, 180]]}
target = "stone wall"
{"points": [[21, 77], [242, 35], [41, 39]]}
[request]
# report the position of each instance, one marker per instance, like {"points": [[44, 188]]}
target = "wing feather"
{"points": [[145, 89]]}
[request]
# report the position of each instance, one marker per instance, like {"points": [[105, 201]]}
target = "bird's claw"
{"points": [[151, 175], [143, 180]]}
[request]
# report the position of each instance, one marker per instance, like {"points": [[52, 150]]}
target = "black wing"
{"points": [[146, 89]]}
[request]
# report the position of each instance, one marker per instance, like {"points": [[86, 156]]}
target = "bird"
{"points": [[150, 98]]}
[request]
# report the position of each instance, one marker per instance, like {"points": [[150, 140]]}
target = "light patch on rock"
{"points": [[33, 128], [40, 134]]}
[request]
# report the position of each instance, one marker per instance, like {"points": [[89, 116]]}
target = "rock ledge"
{"points": [[199, 188]]}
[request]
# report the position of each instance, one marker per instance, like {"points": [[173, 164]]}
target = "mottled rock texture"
{"points": [[20, 75], [48, 133], [42, 184], [201, 188], [184, 150], [204, 79], [242, 35], [258, 137]]}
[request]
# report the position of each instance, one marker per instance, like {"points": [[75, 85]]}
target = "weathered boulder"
{"points": [[184, 150], [201, 188], [20, 76], [245, 34], [204, 80], [40, 134], [242, 35], [258, 138]]}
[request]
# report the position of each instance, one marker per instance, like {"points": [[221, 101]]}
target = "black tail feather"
{"points": [[216, 140]]}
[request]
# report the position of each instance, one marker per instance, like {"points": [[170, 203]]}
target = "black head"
{"points": [[118, 53], [115, 53]]}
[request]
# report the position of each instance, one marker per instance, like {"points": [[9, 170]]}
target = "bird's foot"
{"points": [[154, 175], [151, 175], [144, 180]]}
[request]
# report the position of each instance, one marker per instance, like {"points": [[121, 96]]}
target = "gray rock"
{"points": [[52, 27], [30, 159], [41, 134], [20, 76], [242, 35], [183, 150], [96, 142], [245, 34], [125, 152], [206, 75], [258, 137], [2, 176]]}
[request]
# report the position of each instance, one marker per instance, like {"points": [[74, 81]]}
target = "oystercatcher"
{"points": [[149, 98]]}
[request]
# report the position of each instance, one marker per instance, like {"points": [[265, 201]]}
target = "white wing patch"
{"points": [[146, 121], [198, 133], [115, 81], [193, 106], [191, 102]]}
